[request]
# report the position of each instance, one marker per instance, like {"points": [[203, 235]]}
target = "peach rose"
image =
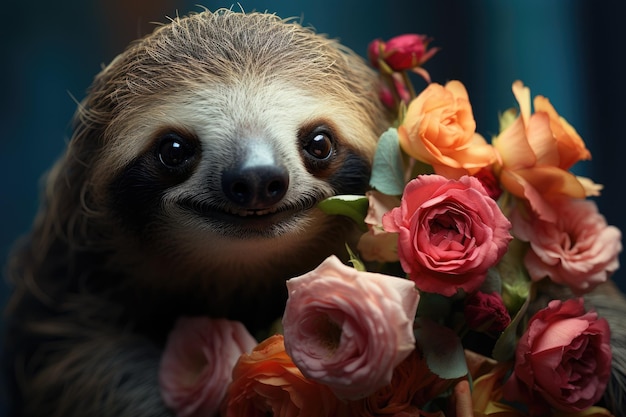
{"points": [[450, 233], [535, 153], [563, 360], [439, 129], [197, 363], [578, 249], [349, 329], [266, 382]]}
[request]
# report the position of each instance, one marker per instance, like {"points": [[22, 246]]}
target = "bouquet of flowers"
{"points": [[443, 309]]}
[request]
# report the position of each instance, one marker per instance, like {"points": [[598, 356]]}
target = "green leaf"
{"points": [[387, 169], [352, 206], [504, 349], [515, 278], [442, 349]]}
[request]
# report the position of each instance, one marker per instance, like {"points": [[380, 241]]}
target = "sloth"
{"points": [[189, 187]]}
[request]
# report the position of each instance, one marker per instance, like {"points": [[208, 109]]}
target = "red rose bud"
{"points": [[486, 312], [490, 182], [407, 51]]}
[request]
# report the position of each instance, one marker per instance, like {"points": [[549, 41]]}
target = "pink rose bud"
{"points": [[197, 363], [374, 50], [407, 51], [349, 329]]}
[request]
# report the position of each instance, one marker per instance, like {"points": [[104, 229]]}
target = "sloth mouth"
{"points": [[240, 221]]}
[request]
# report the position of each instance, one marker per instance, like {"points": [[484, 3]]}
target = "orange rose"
{"points": [[535, 153], [266, 381], [439, 129]]}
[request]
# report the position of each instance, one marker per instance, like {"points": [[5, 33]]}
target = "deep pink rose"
{"points": [[563, 359], [486, 312], [578, 249], [349, 329], [450, 233], [196, 366]]}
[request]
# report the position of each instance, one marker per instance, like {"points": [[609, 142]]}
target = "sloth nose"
{"points": [[256, 187], [257, 181]]}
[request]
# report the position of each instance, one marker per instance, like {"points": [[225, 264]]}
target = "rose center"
{"points": [[328, 332], [444, 228]]}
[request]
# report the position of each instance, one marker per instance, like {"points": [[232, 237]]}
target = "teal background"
{"points": [[568, 50]]}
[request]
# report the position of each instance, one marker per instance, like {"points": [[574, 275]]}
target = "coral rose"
{"points": [[578, 249], [563, 360], [535, 152], [349, 329], [266, 382], [439, 129], [197, 363], [450, 233]]}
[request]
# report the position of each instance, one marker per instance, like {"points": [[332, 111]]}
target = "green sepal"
{"points": [[356, 262]]}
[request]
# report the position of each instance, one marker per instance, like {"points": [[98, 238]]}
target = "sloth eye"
{"points": [[320, 146], [174, 151]]}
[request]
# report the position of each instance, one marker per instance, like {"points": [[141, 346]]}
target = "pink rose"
{"points": [[578, 249], [349, 329], [450, 233], [563, 359], [197, 363]]}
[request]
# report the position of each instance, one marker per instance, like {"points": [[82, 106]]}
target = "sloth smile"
{"points": [[251, 220]]}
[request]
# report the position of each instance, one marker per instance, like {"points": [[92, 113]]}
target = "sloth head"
{"points": [[203, 149]]}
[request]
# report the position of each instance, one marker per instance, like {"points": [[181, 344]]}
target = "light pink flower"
{"points": [[196, 366], [450, 233], [349, 329], [377, 244], [578, 250], [563, 360]]}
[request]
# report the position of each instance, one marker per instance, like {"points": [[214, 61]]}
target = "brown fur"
{"points": [[95, 297]]}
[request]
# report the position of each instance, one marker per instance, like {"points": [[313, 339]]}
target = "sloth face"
{"points": [[249, 163], [209, 143]]}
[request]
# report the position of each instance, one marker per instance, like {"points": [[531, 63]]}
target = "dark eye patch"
{"points": [[136, 192]]}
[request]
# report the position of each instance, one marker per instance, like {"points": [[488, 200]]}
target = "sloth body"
{"points": [[189, 187]]}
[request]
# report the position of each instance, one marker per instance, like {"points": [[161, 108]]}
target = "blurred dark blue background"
{"points": [[567, 50]]}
